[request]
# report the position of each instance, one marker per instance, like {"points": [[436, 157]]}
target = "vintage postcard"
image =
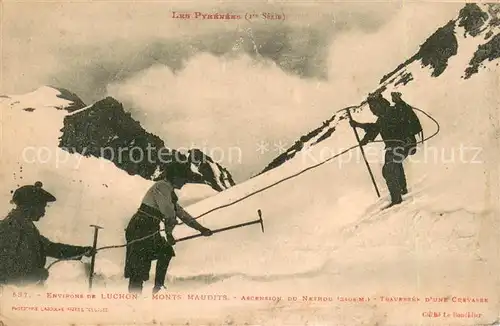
{"points": [[249, 163]]}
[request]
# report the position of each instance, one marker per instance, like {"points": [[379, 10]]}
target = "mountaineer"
{"points": [[23, 250], [160, 204], [398, 125]]}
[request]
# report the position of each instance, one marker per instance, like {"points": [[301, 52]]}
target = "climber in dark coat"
{"points": [[158, 205], [392, 130], [23, 250]]}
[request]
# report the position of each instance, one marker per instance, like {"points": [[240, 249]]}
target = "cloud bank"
{"points": [[215, 84]]}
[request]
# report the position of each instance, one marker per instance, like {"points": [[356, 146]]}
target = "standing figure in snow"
{"points": [[158, 205], [397, 127], [23, 250]]}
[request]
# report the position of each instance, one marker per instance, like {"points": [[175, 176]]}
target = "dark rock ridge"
{"points": [[472, 19], [77, 102], [435, 53], [489, 51], [106, 130]]}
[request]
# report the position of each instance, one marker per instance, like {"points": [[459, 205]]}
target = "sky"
{"points": [[224, 87]]}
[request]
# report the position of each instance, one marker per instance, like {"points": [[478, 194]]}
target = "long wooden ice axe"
{"points": [[260, 221], [363, 153], [92, 261]]}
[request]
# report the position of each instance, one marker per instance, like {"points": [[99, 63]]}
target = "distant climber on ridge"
{"points": [[397, 126]]}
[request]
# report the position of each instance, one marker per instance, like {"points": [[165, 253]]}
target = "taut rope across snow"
{"points": [[438, 128]]}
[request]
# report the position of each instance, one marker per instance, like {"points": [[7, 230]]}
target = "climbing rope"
{"points": [[438, 128]]}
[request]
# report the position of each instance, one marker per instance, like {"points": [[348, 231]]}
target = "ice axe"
{"points": [[362, 150], [92, 261], [260, 221]]}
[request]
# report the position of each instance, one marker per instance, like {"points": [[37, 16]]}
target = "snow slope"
{"points": [[89, 190], [474, 31], [323, 234], [78, 182], [319, 241]]}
